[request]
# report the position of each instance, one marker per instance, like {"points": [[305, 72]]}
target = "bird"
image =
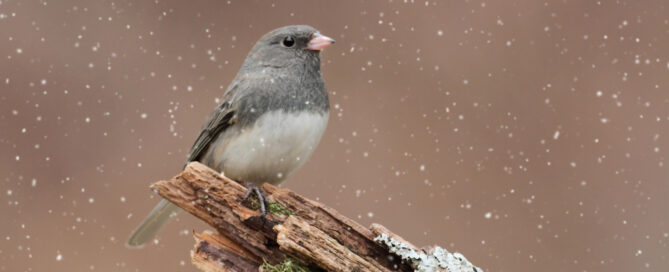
{"points": [[268, 123]]}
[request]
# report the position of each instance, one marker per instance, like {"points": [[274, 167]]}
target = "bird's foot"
{"points": [[263, 202]]}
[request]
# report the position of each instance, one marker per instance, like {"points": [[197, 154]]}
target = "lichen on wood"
{"points": [[430, 260]]}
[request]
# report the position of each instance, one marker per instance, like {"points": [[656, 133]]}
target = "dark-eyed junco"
{"points": [[269, 122]]}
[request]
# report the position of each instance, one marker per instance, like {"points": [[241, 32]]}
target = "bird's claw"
{"points": [[262, 199]]}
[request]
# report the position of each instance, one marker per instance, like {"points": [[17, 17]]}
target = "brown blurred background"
{"points": [[528, 135]]}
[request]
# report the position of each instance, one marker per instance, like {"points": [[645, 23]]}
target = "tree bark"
{"points": [[307, 231]]}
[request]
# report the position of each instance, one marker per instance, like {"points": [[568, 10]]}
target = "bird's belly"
{"points": [[277, 144]]}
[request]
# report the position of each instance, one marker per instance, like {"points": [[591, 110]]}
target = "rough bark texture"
{"points": [[314, 234], [215, 253]]}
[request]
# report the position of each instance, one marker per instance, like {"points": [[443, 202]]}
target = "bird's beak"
{"points": [[318, 42]]}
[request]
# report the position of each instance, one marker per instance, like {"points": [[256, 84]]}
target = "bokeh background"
{"points": [[528, 135]]}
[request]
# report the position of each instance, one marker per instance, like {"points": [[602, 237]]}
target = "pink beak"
{"points": [[318, 42]]}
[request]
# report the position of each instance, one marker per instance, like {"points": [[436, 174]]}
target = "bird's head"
{"points": [[288, 46]]}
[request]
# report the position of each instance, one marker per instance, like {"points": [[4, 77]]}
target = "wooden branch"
{"points": [[313, 234]]}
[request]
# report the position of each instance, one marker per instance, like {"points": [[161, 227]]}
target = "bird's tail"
{"points": [[156, 220]]}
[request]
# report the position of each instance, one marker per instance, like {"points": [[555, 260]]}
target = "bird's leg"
{"points": [[262, 199]]}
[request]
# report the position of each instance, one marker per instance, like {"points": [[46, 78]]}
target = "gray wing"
{"points": [[219, 120]]}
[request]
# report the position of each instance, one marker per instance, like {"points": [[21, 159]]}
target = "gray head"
{"points": [[282, 72], [287, 46]]}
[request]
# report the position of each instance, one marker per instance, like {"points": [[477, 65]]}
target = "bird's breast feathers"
{"points": [[269, 150]]}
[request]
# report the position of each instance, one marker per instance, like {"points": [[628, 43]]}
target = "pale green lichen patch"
{"points": [[437, 259]]}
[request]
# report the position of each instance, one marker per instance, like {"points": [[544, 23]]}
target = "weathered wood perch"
{"points": [[307, 231]]}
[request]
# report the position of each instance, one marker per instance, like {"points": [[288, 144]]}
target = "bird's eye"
{"points": [[288, 41]]}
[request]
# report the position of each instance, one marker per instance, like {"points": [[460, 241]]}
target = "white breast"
{"points": [[276, 145]]}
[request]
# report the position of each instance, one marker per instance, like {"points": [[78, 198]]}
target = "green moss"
{"points": [[274, 207], [278, 209], [287, 265]]}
